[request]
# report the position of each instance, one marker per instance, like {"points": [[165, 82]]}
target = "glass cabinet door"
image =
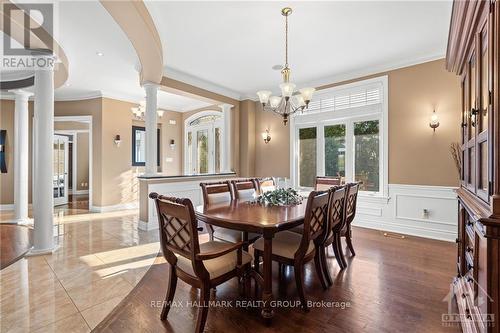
{"points": [[470, 154], [482, 114]]}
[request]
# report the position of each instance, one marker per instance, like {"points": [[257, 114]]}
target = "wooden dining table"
{"points": [[266, 220]]}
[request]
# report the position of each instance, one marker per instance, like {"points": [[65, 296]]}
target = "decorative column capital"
{"points": [[150, 86], [226, 106], [21, 95]]}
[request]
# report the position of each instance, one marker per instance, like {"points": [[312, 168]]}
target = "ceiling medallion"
{"points": [[288, 103]]}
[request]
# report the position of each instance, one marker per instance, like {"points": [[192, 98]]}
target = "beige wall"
{"points": [[113, 177], [417, 155], [82, 161], [247, 138], [7, 179]]}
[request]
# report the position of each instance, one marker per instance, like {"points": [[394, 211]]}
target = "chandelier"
{"points": [[140, 111], [288, 103]]}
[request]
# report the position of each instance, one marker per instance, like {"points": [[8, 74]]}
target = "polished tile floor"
{"points": [[100, 258]]}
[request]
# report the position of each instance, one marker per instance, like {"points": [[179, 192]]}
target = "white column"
{"points": [[21, 156], [43, 199], [151, 128], [227, 157]]}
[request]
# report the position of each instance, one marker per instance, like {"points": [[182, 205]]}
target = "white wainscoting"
{"points": [[403, 211], [184, 189]]}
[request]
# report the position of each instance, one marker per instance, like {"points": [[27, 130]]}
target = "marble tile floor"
{"points": [[100, 258]]}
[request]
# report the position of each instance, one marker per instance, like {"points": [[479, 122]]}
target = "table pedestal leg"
{"points": [[267, 294]]}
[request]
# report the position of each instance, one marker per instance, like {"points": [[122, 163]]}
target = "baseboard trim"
{"points": [[112, 208], [406, 230], [6, 207], [79, 192]]}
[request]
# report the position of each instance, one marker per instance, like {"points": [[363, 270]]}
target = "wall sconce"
{"points": [[266, 136], [118, 140], [160, 112], [172, 144], [434, 123]]}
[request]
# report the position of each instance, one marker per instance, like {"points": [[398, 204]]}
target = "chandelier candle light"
{"points": [[288, 103]]}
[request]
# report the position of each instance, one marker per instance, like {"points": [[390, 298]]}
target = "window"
{"points": [[139, 146], [366, 155], [307, 158], [204, 135], [343, 135]]}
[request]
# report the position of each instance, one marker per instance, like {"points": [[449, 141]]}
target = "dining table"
{"points": [[267, 220]]}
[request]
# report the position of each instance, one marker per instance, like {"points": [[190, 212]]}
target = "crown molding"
{"points": [[358, 74], [200, 83]]}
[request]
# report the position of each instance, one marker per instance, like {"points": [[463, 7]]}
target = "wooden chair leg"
{"points": [[338, 242], [319, 267], [335, 248], [348, 240], [210, 230], [256, 261], [299, 281], [203, 308], [324, 265], [172, 284]]}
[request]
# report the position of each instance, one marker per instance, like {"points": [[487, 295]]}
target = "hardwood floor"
{"points": [[391, 285], [15, 241]]}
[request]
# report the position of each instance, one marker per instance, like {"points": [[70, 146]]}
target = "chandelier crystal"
{"points": [[289, 102]]}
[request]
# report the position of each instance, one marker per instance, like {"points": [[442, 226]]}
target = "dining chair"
{"points": [[325, 183], [336, 222], [219, 192], [266, 184], [245, 189], [292, 249], [203, 266], [214, 193], [351, 202]]}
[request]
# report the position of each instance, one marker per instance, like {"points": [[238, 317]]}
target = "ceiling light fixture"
{"points": [[99, 54], [140, 111], [288, 103]]}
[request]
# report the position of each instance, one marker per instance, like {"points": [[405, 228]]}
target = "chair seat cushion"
{"points": [[217, 266], [285, 244], [233, 236]]}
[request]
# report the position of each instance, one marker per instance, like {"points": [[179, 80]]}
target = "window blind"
{"points": [[347, 99]]}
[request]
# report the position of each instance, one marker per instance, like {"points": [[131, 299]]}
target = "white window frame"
{"points": [[347, 116], [219, 123]]}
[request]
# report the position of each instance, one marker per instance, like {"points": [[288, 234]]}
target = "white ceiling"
{"points": [[84, 28], [232, 46]]}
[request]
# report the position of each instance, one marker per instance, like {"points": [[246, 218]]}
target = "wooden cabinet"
{"points": [[473, 53]]}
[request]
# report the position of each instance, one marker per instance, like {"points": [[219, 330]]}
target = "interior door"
{"points": [[60, 170]]}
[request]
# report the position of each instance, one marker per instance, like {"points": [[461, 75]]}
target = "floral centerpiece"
{"points": [[280, 197]]}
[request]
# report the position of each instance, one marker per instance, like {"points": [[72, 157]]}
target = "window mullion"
{"points": [[349, 154], [320, 150]]}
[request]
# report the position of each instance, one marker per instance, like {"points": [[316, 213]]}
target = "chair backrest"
{"points": [[351, 201], [178, 231], [325, 183], [336, 208], [245, 189], [315, 220], [216, 192], [266, 184]]}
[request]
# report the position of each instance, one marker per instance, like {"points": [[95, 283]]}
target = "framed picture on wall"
{"points": [[139, 146]]}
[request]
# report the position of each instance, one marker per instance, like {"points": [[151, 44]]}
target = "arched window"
{"points": [[203, 143]]}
